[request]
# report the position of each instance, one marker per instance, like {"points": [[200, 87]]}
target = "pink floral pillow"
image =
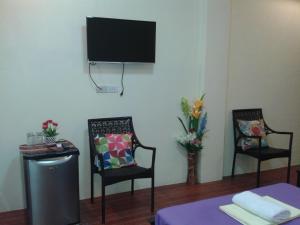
{"points": [[116, 150], [117, 143], [252, 128]]}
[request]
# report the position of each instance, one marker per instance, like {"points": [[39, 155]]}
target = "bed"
{"points": [[207, 212]]}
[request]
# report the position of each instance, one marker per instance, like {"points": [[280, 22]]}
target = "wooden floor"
{"points": [[124, 209]]}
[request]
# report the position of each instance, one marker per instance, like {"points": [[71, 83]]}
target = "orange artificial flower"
{"points": [[196, 113], [198, 104]]}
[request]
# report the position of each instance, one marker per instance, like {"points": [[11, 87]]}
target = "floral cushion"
{"points": [[252, 128], [116, 150]]}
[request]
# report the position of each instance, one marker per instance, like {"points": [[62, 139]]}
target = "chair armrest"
{"points": [[271, 131], [153, 149], [146, 147], [279, 132]]}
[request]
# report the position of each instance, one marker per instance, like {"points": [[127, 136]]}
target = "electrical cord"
{"points": [[97, 86], [122, 80], [90, 74]]}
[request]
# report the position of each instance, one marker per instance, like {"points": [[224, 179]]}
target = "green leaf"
{"points": [[103, 141], [184, 127], [185, 107], [202, 97], [115, 162], [126, 137], [103, 148]]}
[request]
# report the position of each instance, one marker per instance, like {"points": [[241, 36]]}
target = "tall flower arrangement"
{"points": [[196, 120]]}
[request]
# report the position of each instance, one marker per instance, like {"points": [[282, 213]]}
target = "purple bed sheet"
{"points": [[207, 212]]}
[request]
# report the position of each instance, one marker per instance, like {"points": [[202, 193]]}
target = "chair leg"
{"points": [[258, 174], [92, 187], [233, 164], [103, 204], [132, 186], [289, 170], [152, 194]]}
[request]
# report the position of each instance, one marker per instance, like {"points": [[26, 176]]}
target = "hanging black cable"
{"points": [[96, 85], [122, 79]]}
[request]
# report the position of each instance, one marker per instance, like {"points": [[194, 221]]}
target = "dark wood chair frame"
{"points": [[117, 125], [261, 153]]}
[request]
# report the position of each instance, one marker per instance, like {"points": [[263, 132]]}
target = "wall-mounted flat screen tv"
{"points": [[117, 40]]}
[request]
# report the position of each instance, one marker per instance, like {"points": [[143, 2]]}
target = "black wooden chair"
{"points": [[117, 125], [260, 153]]}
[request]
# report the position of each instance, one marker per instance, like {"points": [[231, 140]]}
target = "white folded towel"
{"points": [[260, 207]]}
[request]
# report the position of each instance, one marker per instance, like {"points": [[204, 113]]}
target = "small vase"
{"points": [[192, 168], [50, 140]]}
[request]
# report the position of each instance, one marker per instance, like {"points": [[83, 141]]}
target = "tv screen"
{"points": [[117, 40]]}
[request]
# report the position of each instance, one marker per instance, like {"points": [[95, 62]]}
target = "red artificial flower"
{"points": [[49, 121], [55, 124], [256, 131], [45, 126]]}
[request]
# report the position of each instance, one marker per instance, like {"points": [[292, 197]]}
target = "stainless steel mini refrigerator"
{"points": [[52, 189]]}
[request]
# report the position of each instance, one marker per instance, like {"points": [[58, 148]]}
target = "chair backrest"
{"points": [[247, 114], [244, 114], [114, 125]]}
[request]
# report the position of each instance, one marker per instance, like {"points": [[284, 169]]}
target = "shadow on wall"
{"points": [[112, 69], [246, 164], [85, 173], [10, 192], [84, 167]]}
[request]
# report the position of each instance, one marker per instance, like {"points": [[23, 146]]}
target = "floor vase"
{"points": [[192, 177]]}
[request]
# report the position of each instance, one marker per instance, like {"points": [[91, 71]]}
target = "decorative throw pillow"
{"points": [[252, 128], [116, 150]]}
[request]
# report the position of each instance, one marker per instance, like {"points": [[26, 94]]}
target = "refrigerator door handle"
{"points": [[54, 161]]}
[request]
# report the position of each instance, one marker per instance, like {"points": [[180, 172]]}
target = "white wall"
{"points": [[215, 86], [43, 72], [264, 71]]}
